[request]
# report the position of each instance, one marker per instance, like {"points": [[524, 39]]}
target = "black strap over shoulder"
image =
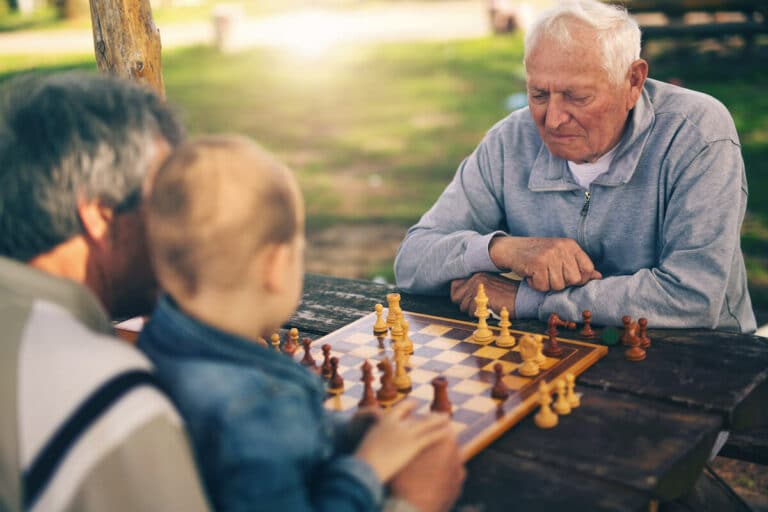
{"points": [[44, 466]]}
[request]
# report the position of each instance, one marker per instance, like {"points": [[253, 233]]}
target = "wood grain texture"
{"points": [[127, 42], [499, 482], [642, 426], [709, 371]]}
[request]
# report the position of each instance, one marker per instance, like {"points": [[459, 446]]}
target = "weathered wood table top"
{"points": [[643, 432]]}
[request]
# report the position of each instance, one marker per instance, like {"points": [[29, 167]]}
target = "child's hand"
{"points": [[398, 437]]}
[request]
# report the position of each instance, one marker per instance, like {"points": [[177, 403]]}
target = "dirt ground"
{"points": [[353, 250], [750, 481]]}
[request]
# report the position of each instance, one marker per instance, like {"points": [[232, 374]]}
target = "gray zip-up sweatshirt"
{"points": [[662, 224]]}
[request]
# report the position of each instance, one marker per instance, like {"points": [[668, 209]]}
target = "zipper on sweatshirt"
{"points": [[583, 219]]}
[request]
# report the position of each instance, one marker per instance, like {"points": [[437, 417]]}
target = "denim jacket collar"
{"points": [[178, 333], [550, 173]]}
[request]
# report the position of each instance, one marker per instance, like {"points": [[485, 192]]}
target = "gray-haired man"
{"points": [[610, 192], [82, 425]]}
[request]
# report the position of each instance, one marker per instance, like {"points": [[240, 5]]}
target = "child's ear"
{"points": [[95, 218], [276, 264]]}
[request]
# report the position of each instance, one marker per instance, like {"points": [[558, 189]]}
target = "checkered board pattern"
{"points": [[444, 347]]}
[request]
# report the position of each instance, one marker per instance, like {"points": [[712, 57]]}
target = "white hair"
{"points": [[618, 34]]}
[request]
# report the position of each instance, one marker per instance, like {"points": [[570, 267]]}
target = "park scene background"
{"points": [[374, 103]]}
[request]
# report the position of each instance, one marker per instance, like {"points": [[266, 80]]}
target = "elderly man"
{"points": [[610, 192], [83, 426]]}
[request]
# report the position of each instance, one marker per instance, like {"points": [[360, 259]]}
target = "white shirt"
{"points": [[585, 174]]}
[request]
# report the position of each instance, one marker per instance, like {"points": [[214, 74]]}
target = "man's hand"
{"points": [[547, 263], [500, 291], [432, 481]]}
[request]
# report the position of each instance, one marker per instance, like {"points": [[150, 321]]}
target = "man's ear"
{"points": [[276, 263], [638, 73], [96, 219]]}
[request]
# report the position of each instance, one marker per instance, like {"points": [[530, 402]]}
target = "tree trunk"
{"points": [[127, 42]]}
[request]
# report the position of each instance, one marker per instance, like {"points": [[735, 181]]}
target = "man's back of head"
{"points": [[72, 140]]}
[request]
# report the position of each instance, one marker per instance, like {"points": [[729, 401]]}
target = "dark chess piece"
{"points": [[553, 348], [587, 332], [627, 321], [500, 390], [307, 360], [634, 352], [326, 370], [336, 382], [441, 402], [369, 397], [643, 334], [387, 393]]}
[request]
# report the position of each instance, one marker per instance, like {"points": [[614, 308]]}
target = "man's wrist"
{"points": [[496, 251]]}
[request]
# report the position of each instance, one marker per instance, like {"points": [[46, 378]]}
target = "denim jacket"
{"points": [[262, 438]]}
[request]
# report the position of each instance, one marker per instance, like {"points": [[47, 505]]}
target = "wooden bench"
{"points": [[715, 18]]}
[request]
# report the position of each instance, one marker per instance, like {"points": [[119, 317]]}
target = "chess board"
{"points": [[444, 347]]}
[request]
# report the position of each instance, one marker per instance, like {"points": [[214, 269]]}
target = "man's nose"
{"points": [[556, 114]]}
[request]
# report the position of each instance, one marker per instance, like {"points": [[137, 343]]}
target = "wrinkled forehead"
{"points": [[550, 62]]}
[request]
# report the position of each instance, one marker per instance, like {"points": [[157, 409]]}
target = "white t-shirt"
{"points": [[585, 174]]}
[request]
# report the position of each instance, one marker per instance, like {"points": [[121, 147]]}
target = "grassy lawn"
{"points": [[375, 133]]}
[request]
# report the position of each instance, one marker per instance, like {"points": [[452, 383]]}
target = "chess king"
{"points": [[553, 189], [229, 280]]}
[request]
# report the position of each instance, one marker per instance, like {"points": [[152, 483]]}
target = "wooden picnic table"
{"points": [[644, 430]]}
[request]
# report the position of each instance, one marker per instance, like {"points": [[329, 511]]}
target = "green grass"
{"points": [[375, 133]]}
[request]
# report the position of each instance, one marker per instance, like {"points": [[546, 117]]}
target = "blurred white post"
{"points": [[226, 18]]}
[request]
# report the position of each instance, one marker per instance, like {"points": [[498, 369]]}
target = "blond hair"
{"points": [[214, 204]]}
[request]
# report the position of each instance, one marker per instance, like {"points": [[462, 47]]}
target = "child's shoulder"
{"points": [[216, 387]]}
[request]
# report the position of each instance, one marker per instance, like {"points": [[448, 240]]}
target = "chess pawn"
{"points": [[500, 390], [307, 360], [291, 342], [627, 321], [369, 398], [545, 418], [587, 332], [528, 349], [275, 339], [482, 335], [336, 382], [561, 404], [505, 339], [380, 327], [574, 399], [441, 403], [634, 352], [643, 334], [326, 371]]}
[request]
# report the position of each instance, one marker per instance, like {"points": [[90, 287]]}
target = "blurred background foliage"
{"points": [[376, 131]]}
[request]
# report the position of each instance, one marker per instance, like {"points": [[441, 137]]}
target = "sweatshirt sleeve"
{"points": [[698, 249], [450, 241]]}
